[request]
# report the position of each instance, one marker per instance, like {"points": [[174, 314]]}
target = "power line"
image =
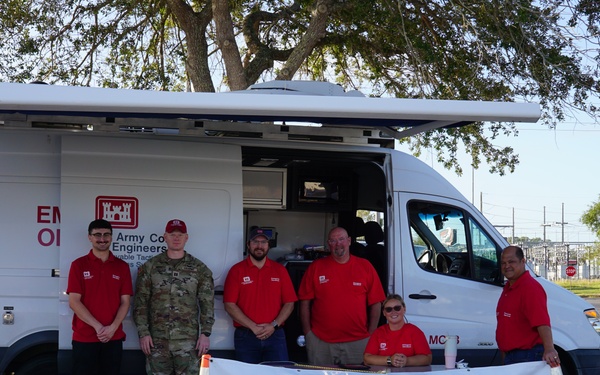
{"points": [[534, 228]]}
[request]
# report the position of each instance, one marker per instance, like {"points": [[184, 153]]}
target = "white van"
{"points": [[226, 162]]}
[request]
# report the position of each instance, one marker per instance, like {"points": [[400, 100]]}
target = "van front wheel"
{"points": [[566, 363], [40, 365]]}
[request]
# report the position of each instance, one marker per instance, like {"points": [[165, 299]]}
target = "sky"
{"points": [[556, 167]]}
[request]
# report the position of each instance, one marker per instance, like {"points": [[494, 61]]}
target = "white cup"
{"points": [[450, 345], [450, 351]]}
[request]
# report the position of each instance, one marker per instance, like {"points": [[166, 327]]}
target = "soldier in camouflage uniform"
{"points": [[173, 289]]}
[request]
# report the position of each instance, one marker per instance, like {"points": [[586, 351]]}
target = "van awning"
{"points": [[398, 117]]}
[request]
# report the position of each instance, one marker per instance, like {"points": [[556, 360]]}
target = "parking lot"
{"points": [[595, 302]]}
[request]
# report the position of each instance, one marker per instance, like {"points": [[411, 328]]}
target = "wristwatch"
{"points": [[274, 324], [389, 361], [207, 334]]}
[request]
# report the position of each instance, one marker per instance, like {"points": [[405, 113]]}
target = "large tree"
{"points": [[543, 50], [591, 218]]}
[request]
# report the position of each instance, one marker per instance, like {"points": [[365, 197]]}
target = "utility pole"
{"points": [[562, 224], [513, 224], [544, 225]]}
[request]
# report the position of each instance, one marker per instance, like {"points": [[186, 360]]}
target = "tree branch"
{"points": [[229, 49], [314, 33], [194, 24]]}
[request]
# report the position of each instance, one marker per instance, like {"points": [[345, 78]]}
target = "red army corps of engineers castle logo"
{"points": [[121, 212]]}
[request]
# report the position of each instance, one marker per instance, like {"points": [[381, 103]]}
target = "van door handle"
{"points": [[421, 296]]}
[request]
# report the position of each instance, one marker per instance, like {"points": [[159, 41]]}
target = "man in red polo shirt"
{"points": [[340, 302], [259, 297], [523, 332], [100, 290]]}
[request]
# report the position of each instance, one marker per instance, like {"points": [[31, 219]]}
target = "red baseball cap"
{"points": [[176, 224]]}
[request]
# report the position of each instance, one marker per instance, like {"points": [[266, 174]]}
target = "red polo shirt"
{"points": [[408, 340], [340, 295], [101, 285], [521, 309], [259, 292]]}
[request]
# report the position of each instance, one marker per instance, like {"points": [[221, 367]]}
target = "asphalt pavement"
{"points": [[595, 302]]}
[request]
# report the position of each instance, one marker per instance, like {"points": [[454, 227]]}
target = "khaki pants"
{"points": [[321, 353]]}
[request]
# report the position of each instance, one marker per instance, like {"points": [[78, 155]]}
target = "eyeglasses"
{"points": [[339, 240], [257, 242], [102, 235], [390, 308]]}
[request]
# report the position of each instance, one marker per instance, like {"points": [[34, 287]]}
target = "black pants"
{"points": [[96, 358]]}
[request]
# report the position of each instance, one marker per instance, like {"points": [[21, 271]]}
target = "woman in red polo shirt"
{"points": [[397, 343]]}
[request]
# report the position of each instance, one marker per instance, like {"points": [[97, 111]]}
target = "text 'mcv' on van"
{"points": [[226, 162]]}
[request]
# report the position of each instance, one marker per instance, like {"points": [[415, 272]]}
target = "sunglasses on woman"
{"points": [[395, 308]]}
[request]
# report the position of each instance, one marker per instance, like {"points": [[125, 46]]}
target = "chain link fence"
{"points": [[551, 259]]}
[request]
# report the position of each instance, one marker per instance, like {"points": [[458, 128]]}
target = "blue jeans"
{"points": [[524, 355], [250, 349]]}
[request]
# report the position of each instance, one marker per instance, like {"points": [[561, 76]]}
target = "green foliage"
{"points": [[544, 51], [591, 217], [528, 240]]}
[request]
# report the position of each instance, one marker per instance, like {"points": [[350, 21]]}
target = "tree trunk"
{"points": [[236, 78], [194, 25]]}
